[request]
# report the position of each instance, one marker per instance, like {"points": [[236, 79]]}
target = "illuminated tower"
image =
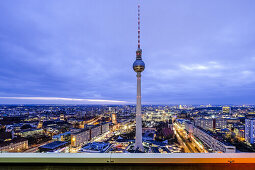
{"points": [[40, 124], [138, 67]]}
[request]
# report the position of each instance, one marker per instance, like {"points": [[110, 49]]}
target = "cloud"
{"points": [[194, 67], [65, 99], [83, 50], [210, 65]]}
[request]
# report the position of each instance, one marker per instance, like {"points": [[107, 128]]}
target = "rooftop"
{"points": [[14, 140], [96, 147], [53, 145]]}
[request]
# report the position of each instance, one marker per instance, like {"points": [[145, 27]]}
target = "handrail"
{"points": [[120, 158]]}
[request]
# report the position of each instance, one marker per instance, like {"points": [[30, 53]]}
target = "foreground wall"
{"points": [[127, 161]]}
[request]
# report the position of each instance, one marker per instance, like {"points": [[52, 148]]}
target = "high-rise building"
{"points": [[250, 130], [207, 124], [220, 123], [138, 67], [211, 124]]}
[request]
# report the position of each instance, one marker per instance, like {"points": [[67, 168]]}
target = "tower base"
{"points": [[139, 147], [135, 149]]}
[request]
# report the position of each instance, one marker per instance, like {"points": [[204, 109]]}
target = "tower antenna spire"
{"points": [[139, 21]]}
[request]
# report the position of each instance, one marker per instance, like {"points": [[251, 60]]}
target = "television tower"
{"points": [[138, 67]]}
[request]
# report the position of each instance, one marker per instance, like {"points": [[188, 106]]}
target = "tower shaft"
{"points": [[138, 135]]}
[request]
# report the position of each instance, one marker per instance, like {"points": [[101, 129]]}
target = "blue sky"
{"points": [[195, 51]]}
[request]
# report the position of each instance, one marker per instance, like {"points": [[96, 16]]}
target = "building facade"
{"points": [[80, 138], [207, 124], [226, 109], [211, 142], [220, 123], [15, 145], [250, 130]]}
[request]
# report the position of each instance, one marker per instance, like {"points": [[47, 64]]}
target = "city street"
{"points": [[190, 144], [35, 149]]}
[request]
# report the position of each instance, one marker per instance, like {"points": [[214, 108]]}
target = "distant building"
{"points": [[96, 147], [14, 145], [226, 109], [40, 124], [114, 119], [211, 124], [62, 136], [240, 132], [31, 132], [250, 115], [62, 117], [181, 122], [232, 120], [250, 130], [220, 123], [53, 146], [183, 114], [207, 124], [156, 116], [6, 136]]}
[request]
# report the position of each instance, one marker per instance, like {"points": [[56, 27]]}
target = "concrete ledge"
{"points": [[54, 158], [126, 158], [185, 158]]}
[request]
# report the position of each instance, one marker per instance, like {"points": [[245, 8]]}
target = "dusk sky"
{"points": [[82, 51]]}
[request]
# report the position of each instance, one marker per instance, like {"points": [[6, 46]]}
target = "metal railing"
{"points": [[121, 158]]}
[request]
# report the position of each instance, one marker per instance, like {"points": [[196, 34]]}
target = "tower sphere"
{"points": [[138, 66]]}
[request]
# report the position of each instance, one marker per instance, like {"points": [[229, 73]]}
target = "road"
{"points": [[34, 149], [93, 121], [181, 142], [189, 141]]}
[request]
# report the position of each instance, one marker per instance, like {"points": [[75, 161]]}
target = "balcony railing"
{"points": [[124, 158]]}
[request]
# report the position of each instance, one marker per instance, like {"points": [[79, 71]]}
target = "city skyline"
{"points": [[80, 53]]}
